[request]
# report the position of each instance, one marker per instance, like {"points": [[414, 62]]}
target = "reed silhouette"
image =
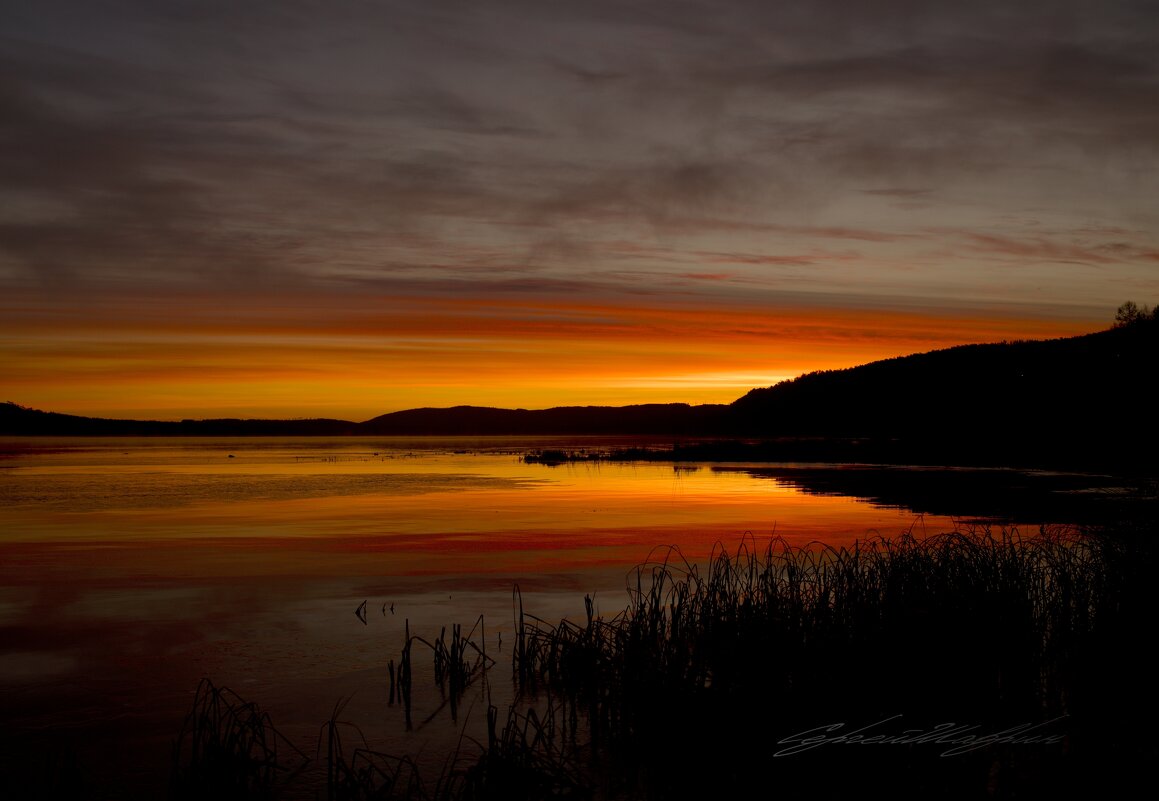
{"points": [[228, 748], [990, 631], [977, 664]]}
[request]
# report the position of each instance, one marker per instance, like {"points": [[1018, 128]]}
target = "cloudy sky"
{"points": [[340, 208]]}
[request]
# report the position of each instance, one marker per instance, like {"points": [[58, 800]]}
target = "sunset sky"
{"points": [[289, 208]]}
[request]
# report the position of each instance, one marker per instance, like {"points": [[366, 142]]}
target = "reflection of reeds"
{"points": [[456, 665]]}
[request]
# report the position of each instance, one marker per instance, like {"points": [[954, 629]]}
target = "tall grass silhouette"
{"points": [[228, 748], [707, 682], [985, 629]]}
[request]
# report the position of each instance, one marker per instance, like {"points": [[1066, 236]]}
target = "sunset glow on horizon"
{"points": [[367, 359], [289, 209]]}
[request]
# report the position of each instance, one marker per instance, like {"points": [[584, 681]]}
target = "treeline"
{"points": [[1079, 401]]}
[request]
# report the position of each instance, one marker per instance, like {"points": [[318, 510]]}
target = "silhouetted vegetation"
{"points": [[978, 664], [1081, 402], [1131, 314], [229, 748], [718, 669], [364, 774]]}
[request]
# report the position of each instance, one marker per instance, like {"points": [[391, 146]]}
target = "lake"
{"points": [[132, 568]]}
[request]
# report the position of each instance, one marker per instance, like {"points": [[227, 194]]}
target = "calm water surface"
{"points": [[129, 569]]}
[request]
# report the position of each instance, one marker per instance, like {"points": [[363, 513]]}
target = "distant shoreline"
{"points": [[1078, 403]]}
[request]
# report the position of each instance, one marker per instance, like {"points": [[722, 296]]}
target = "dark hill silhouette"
{"points": [[16, 420], [1078, 401], [1089, 398], [677, 419]]}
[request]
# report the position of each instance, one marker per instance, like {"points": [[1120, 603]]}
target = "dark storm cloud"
{"points": [[111, 176], [253, 143]]}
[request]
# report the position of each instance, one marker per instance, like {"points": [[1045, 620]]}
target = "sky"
{"points": [[290, 208]]}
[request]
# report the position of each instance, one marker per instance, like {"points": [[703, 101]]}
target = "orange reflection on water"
{"points": [[130, 569], [242, 509]]}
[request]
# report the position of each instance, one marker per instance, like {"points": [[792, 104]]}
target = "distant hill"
{"points": [[1085, 400], [16, 420], [678, 419], [1089, 398]]}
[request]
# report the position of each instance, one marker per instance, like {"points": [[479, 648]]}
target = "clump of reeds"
{"points": [[715, 666], [228, 748], [691, 689], [525, 760], [456, 665], [366, 774]]}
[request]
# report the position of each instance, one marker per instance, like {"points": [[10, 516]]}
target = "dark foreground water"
{"points": [[130, 569]]}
